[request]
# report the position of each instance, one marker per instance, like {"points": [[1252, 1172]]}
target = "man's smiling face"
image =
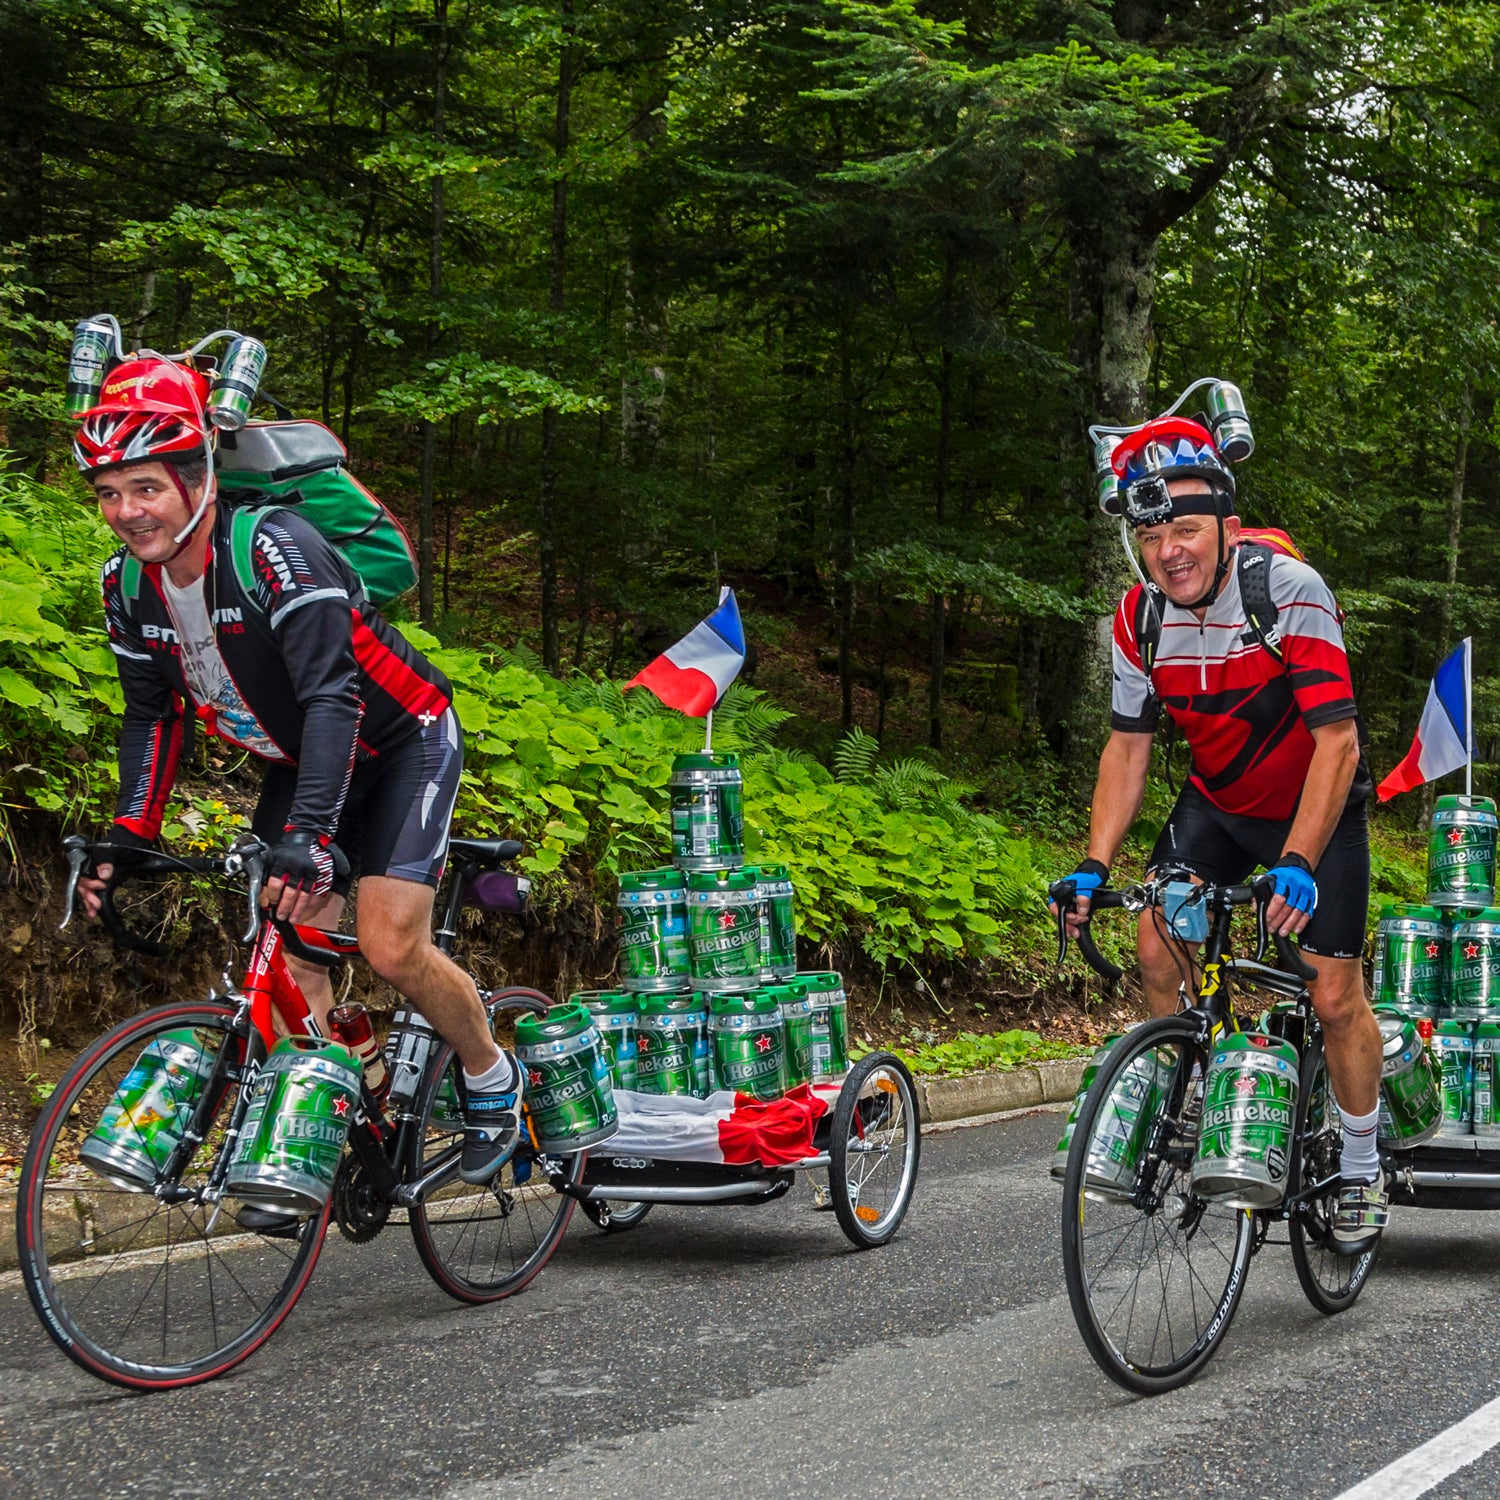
{"points": [[145, 507]]}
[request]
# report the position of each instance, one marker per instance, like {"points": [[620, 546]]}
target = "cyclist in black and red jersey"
{"points": [[1277, 776], [356, 728]]}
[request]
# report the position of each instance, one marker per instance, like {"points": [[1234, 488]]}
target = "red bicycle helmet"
{"points": [[150, 410], [1170, 448]]}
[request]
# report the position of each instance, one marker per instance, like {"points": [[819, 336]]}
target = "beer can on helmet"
{"points": [[778, 923], [1228, 421], [1249, 1100], [797, 1019], [1410, 960], [615, 1014], [89, 359], [1461, 852], [830, 1024], [1453, 1042], [724, 932], [1106, 482], [236, 385], [1411, 1083], [666, 1038], [301, 1106], [568, 1092], [1473, 988], [145, 1119], [708, 812], [749, 1044], [1064, 1145], [653, 931]]}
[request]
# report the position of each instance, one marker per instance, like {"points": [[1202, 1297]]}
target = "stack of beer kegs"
{"points": [[709, 995], [1439, 964]]}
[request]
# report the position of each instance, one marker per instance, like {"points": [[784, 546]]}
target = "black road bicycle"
{"points": [[1154, 1271]]}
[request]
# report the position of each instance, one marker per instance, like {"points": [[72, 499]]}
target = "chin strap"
{"points": [[184, 538]]}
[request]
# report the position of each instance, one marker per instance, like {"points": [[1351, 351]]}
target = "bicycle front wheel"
{"points": [[1154, 1272], [137, 1277], [482, 1243], [1330, 1281]]}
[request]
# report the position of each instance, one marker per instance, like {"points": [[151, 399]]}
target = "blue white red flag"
{"points": [[695, 673], [1442, 743]]}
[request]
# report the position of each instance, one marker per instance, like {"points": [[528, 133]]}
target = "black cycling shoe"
{"points": [[273, 1223], [492, 1131]]}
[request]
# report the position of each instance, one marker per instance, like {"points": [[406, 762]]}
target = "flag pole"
{"points": [[708, 734], [1469, 716]]}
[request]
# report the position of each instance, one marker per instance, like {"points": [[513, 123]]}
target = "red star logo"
{"points": [[1471, 950], [1455, 836], [727, 919], [341, 1106], [1245, 1085], [534, 1077], [1432, 950], [763, 1043], [643, 1043]]}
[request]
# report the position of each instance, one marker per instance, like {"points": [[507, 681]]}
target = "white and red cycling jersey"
{"points": [[1247, 718]]}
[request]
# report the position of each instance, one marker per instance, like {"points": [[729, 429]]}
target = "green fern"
{"points": [[854, 757], [745, 721]]}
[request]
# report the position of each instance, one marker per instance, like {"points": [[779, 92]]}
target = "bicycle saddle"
{"points": [[487, 851]]}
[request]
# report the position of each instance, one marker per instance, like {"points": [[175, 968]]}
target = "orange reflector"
{"points": [[885, 1086], [866, 1215]]}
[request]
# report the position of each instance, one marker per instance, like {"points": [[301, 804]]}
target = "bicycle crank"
{"points": [[358, 1209]]}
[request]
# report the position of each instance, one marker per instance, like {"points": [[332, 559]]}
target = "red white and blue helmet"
{"points": [[149, 411], [1170, 448]]}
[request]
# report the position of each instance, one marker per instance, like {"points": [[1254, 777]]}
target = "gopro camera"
{"points": [[1148, 502]]}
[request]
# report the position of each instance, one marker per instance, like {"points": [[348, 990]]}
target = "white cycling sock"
{"points": [[1358, 1159], [499, 1079]]}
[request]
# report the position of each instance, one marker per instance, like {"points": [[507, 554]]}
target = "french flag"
{"points": [[1442, 741], [725, 1127], [695, 673]]}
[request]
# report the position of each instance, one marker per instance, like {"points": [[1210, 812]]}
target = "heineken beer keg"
{"points": [[615, 1015], [1461, 852], [1411, 1083], [1122, 1126], [724, 932], [666, 1039], [797, 1019], [301, 1106], [830, 1025], [1473, 992], [1249, 1100], [708, 812], [1060, 1156], [691, 1011], [1409, 960], [778, 923], [144, 1121], [1453, 1042], [568, 1090], [749, 1044], [653, 931], [1486, 1084]]}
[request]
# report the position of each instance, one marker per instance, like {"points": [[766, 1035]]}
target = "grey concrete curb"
{"points": [[974, 1094]]}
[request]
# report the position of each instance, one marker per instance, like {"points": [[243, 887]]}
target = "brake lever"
{"points": [[77, 849], [248, 855], [1061, 893]]}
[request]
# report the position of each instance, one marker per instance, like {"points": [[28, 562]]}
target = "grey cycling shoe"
{"points": [[1364, 1210], [492, 1131]]}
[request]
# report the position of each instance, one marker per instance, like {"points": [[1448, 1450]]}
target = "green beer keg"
{"points": [[1121, 1128], [653, 931], [1461, 852], [1486, 1083], [1409, 960], [1453, 1042], [1473, 992], [724, 932], [666, 1033], [1411, 1083], [778, 923], [797, 1018], [1060, 1156], [708, 812], [568, 1092], [144, 1121], [691, 1010], [749, 1044], [830, 1025], [301, 1107], [1249, 1100], [615, 1015]]}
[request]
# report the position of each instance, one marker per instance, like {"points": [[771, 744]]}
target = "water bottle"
{"points": [[406, 1051], [350, 1024]]}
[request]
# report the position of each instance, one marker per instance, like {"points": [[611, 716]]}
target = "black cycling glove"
{"points": [[307, 862]]}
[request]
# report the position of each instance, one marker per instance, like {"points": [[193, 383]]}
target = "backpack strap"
{"points": [[243, 520], [1148, 606], [131, 573], [1253, 569]]}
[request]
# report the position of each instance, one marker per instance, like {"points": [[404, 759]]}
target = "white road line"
{"points": [[1427, 1467]]}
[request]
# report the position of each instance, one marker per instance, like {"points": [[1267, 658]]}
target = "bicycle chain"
{"points": [[358, 1210]]}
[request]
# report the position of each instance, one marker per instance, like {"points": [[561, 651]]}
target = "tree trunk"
{"points": [[435, 286], [844, 555], [937, 625], [1456, 515]]}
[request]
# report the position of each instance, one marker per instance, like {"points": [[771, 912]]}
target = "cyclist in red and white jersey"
{"points": [[1277, 776]]}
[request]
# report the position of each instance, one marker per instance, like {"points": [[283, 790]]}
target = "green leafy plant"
{"points": [[969, 1052]]}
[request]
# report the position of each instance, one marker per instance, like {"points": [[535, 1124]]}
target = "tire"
{"points": [[615, 1218], [1331, 1282], [1155, 1277], [875, 1148], [138, 1291], [483, 1243]]}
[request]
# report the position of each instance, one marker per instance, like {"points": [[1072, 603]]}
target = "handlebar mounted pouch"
{"points": [[1187, 916]]}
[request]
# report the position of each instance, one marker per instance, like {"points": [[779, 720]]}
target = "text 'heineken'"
{"points": [[749, 1044], [568, 1092], [1461, 852], [1248, 1102], [653, 931], [724, 932], [1411, 1082]]}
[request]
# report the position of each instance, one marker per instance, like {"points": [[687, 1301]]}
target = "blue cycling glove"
{"points": [[1088, 877], [1294, 882]]}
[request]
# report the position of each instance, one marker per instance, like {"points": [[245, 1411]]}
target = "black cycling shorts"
{"points": [[396, 816], [1224, 849]]}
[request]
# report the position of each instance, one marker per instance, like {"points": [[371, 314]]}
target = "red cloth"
{"points": [[775, 1134]]}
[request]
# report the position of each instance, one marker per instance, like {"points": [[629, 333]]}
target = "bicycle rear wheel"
{"points": [[1154, 1272], [487, 1242], [1331, 1281], [138, 1290]]}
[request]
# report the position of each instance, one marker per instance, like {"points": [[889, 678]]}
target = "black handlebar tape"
{"points": [[1286, 951], [1096, 960], [294, 944]]}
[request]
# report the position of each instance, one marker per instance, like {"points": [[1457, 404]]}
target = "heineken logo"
{"points": [[1256, 1112], [1455, 836], [732, 944], [535, 1077], [310, 1130], [1432, 950], [341, 1106], [763, 1043], [1245, 1084], [728, 919], [1471, 950]]}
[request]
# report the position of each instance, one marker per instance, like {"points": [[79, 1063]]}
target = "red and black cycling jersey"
{"points": [[323, 672], [1247, 718]]}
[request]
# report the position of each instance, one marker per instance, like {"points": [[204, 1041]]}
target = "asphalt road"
{"points": [[749, 1348]]}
